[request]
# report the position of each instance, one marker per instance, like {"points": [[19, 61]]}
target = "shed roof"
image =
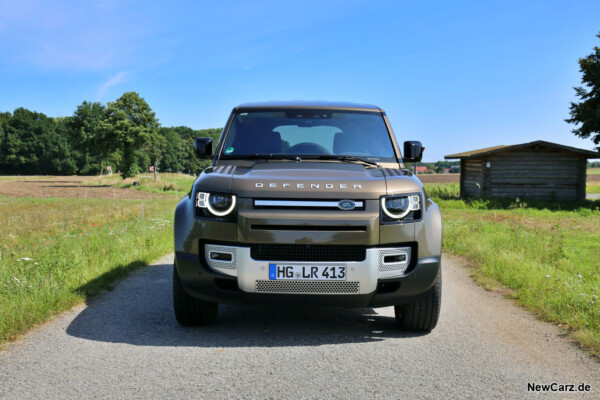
{"points": [[537, 143]]}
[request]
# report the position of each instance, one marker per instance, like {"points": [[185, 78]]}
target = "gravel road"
{"points": [[126, 344]]}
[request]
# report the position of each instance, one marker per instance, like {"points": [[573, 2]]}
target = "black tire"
{"points": [[423, 315], [190, 311]]}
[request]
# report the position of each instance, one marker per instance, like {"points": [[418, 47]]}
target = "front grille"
{"points": [[310, 205], [308, 252], [310, 228], [307, 287], [316, 252]]}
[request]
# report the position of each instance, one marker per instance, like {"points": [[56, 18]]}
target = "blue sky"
{"points": [[457, 75]]}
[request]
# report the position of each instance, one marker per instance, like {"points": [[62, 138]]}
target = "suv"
{"points": [[308, 203]]}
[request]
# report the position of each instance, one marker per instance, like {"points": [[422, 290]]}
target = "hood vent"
{"points": [[224, 169], [392, 172]]}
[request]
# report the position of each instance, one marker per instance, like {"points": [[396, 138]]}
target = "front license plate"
{"points": [[307, 272]]}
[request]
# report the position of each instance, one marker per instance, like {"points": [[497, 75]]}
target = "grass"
{"points": [[167, 183], [593, 187], [452, 190], [593, 171], [546, 254], [55, 253], [443, 190]]}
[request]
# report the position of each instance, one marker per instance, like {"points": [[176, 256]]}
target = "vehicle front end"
{"points": [[337, 224]]}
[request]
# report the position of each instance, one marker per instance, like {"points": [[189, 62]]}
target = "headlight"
{"points": [[218, 204], [401, 207]]}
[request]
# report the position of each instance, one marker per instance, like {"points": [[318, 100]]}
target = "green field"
{"points": [[167, 183], [593, 187], [547, 255], [55, 253], [593, 171]]}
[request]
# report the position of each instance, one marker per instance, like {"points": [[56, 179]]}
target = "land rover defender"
{"points": [[310, 204]]}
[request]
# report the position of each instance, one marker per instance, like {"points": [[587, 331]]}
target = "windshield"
{"points": [[309, 133]]}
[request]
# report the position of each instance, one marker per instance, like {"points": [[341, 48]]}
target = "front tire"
{"points": [[423, 315], [190, 311]]}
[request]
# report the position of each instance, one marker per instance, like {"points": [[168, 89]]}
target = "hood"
{"points": [[307, 180]]}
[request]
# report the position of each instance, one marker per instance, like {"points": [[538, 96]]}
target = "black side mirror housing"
{"points": [[413, 151], [203, 147]]}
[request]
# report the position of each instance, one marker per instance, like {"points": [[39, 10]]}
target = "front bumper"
{"points": [[368, 284]]}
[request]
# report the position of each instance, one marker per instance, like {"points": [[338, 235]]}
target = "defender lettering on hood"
{"points": [[306, 186]]}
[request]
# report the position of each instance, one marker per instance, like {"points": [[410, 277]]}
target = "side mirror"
{"points": [[203, 147], [413, 151]]}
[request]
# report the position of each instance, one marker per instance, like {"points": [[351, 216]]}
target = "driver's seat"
{"points": [[347, 143], [255, 139]]}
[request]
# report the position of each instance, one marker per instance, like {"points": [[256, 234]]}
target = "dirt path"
{"points": [[126, 344], [66, 187]]}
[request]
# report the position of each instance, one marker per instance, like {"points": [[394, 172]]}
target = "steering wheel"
{"points": [[307, 148]]}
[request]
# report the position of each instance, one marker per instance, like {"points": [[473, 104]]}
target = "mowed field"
{"points": [[69, 187], [593, 180], [593, 175], [64, 239]]}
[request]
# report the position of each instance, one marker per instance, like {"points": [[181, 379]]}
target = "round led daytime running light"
{"points": [[410, 207], [220, 213]]}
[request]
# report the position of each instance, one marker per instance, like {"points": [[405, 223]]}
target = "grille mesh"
{"points": [[306, 287], [228, 265], [396, 267], [307, 252]]}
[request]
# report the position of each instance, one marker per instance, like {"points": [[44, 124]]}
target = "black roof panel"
{"points": [[318, 104]]}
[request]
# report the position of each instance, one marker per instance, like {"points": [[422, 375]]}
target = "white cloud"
{"points": [[120, 77]]}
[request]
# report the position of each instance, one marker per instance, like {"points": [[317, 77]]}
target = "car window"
{"points": [[309, 132]]}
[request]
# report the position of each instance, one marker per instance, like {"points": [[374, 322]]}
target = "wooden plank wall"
{"points": [[471, 182], [544, 173]]}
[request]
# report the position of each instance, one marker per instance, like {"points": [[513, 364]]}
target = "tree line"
{"points": [[124, 134]]}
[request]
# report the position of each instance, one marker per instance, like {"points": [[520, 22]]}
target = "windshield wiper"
{"points": [[344, 158]]}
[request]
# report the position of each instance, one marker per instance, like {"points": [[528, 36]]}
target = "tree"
{"points": [[62, 160], [32, 143], [129, 123], [154, 148], [587, 112], [88, 134], [173, 153]]}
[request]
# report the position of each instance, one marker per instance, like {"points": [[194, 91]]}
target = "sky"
{"points": [[456, 75]]}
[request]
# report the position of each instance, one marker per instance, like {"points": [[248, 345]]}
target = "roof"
{"points": [[537, 143], [318, 104]]}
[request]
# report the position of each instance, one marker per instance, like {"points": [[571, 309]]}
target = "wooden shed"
{"points": [[535, 170]]}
